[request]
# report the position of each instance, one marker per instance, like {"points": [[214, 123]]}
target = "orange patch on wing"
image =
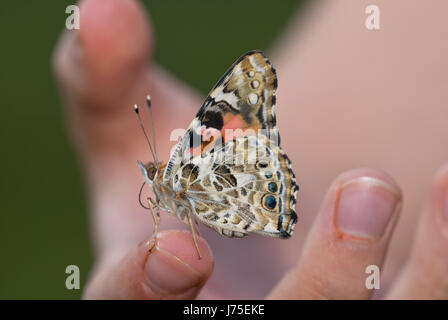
{"points": [[208, 136], [233, 122], [235, 126]]}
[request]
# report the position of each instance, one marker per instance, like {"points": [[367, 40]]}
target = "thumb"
{"points": [[171, 270]]}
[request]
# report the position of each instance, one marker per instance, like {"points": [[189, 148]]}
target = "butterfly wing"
{"points": [[241, 103], [224, 189], [245, 186]]}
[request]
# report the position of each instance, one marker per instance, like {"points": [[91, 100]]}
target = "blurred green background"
{"points": [[44, 217]]}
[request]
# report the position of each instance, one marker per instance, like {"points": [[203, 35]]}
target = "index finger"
{"points": [[103, 71]]}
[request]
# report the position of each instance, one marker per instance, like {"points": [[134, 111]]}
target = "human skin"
{"points": [[347, 98]]}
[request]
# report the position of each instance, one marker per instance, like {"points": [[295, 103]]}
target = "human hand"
{"points": [[103, 70]]}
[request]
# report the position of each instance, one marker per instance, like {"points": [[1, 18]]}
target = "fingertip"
{"points": [[441, 177], [424, 273], [113, 32], [173, 269], [366, 204], [437, 207], [377, 174], [352, 189], [352, 231], [100, 63], [180, 243]]}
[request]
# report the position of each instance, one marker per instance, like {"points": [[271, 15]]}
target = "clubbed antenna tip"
{"points": [[148, 102]]}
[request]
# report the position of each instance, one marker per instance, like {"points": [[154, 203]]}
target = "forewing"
{"points": [[241, 103]]}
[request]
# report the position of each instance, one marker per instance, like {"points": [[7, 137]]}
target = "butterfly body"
{"points": [[228, 170], [168, 198]]}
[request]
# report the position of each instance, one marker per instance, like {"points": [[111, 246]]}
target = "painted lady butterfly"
{"points": [[228, 170]]}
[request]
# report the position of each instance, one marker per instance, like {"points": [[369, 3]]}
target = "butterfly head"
{"points": [[150, 171]]}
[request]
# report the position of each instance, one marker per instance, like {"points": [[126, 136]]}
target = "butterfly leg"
{"points": [[156, 218], [190, 222], [156, 206], [197, 226]]}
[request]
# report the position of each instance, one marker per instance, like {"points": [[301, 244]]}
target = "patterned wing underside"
{"points": [[246, 185], [243, 100]]}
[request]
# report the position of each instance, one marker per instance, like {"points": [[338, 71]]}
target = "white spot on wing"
{"points": [[243, 178], [229, 97], [255, 84], [270, 229], [253, 98]]}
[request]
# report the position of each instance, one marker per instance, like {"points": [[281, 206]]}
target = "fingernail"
{"points": [[167, 274], [365, 207]]}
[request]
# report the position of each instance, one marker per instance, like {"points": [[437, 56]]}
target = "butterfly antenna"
{"points": [[144, 131], [148, 102]]}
